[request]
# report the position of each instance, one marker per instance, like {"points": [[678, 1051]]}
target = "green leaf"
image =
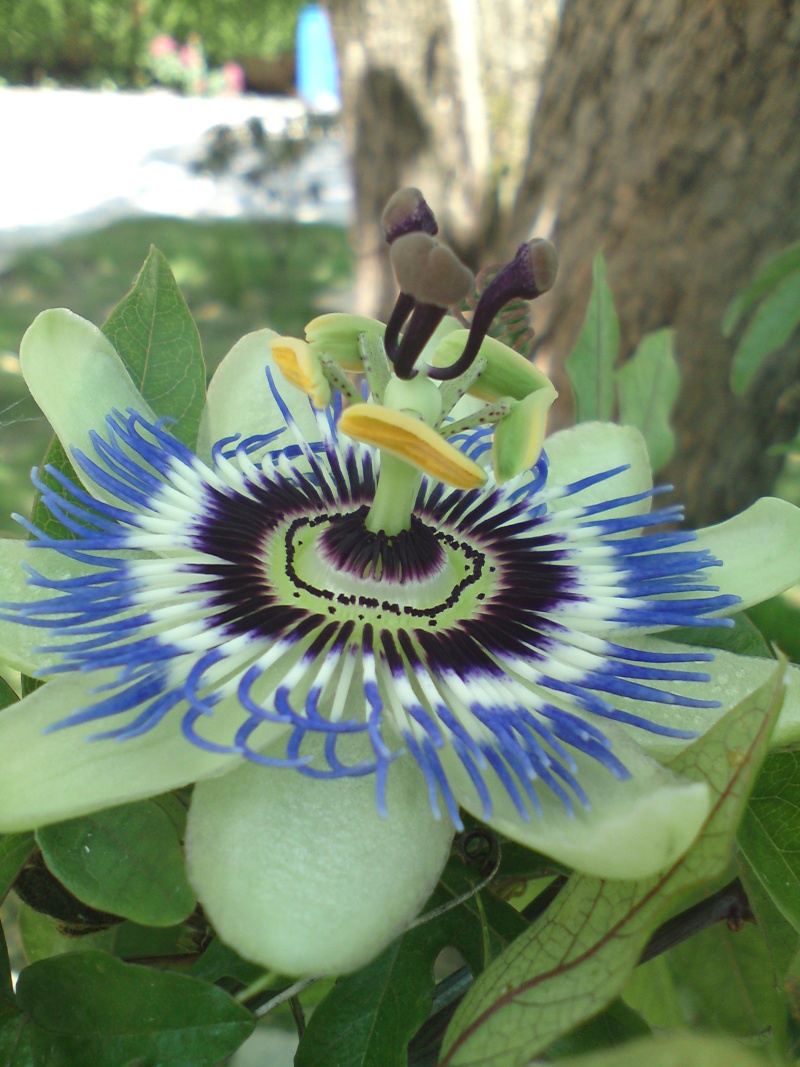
{"points": [[126, 860], [647, 390], [725, 983], [770, 832], [590, 365], [91, 1010], [15, 1049], [743, 638], [617, 1024], [778, 619], [674, 1050], [780, 937], [157, 340], [14, 850], [54, 457], [219, 961], [369, 1017], [574, 961], [770, 328], [771, 274]]}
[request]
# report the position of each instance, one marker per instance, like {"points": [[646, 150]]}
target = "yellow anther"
{"points": [[519, 436], [301, 366], [411, 440], [507, 372]]}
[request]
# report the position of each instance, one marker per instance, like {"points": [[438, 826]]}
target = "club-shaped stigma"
{"points": [[530, 273]]}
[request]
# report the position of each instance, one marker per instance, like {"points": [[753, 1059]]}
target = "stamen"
{"points": [[431, 279], [530, 273]]}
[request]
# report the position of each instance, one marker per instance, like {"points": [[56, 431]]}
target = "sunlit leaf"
{"points": [[574, 961], [590, 365], [157, 340]]}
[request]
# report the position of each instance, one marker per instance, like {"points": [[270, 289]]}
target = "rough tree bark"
{"points": [[438, 94], [665, 133]]}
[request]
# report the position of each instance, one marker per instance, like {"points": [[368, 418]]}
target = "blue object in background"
{"points": [[317, 74]]}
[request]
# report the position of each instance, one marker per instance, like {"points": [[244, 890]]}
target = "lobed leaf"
{"points": [[573, 962]]}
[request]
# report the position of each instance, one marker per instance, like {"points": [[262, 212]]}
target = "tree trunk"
{"points": [[668, 134], [439, 94]]}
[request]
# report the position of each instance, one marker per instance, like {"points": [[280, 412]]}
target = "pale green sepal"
{"points": [[518, 437], [240, 400], [634, 829], [336, 335], [732, 679], [17, 642], [759, 549], [592, 447], [303, 875], [48, 777], [507, 373], [77, 379]]}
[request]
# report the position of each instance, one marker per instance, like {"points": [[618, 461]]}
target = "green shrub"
{"points": [[88, 41]]}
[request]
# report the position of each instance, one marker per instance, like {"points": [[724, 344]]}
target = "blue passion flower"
{"points": [[357, 609]]}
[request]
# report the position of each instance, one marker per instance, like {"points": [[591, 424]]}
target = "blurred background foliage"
{"points": [[236, 277], [92, 42]]}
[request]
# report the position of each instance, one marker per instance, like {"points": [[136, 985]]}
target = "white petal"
{"points": [[592, 447], [49, 777], [634, 829], [759, 549], [303, 875], [241, 401], [732, 678], [76, 377], [17, 641]]}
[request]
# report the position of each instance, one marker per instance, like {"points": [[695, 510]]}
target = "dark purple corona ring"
{"points": [[486, 639]]}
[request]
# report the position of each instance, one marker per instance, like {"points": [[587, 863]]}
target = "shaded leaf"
{"points": [[780, 937], [725, 984], [771, 326], [769, 276], [14, 850], [590, 365], [126, 860], [90, 1010], [778, 620], [647, 391], [611, 1028], [770, 832], [574, 961], [157, 340]]}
